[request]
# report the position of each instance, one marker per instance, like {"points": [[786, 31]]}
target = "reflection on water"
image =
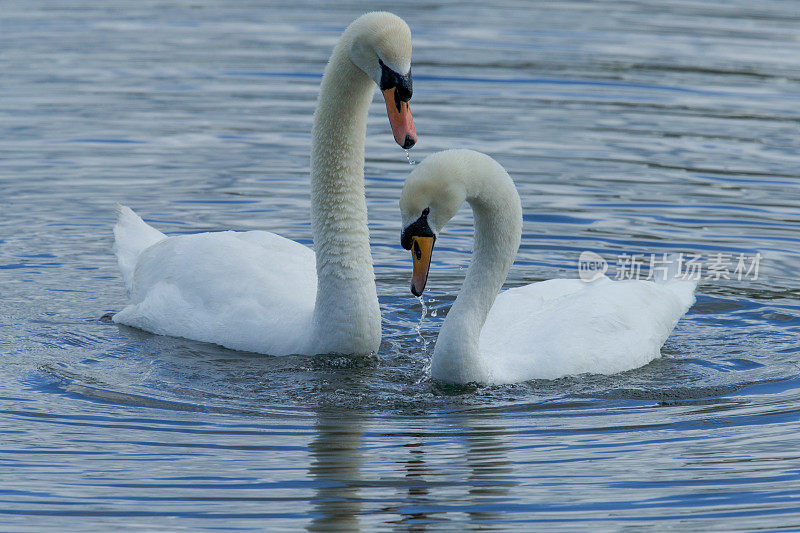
{"points": [[336, 461], [418, 493], [629, 127], [491, 473]]}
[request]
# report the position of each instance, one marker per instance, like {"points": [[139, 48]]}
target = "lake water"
{"points": [[629, 128]]}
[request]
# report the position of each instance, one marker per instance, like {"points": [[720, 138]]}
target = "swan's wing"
{"points": [[248, 291], [132, 236], [565, 327]]}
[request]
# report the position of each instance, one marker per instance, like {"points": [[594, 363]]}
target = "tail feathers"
{"points": [[131, 236], [678, 279]]}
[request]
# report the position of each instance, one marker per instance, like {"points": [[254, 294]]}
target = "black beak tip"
{"points": [[414, 290], [408, 142]]}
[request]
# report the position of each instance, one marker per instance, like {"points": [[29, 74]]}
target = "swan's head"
{"points": [[432, 194], [380, 45]]}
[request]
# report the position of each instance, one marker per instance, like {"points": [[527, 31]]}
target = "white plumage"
{"points": [[543, 330], [563, 327], [249, 290], [258, 291]]}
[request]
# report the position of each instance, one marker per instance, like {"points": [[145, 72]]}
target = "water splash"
{"points": [[418, 329], [434, 310], [410, 161], [426, 371]]}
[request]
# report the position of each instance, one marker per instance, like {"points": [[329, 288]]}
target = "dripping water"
{"points": [[426, 370], [418, 329]]}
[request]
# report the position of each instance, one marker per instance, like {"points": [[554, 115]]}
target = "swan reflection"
{"points": [[490, 475], [335, 467], [479, 459]]}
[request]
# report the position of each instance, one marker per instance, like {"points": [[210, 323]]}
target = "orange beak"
{"points": [[421, 251], [400, 119]]}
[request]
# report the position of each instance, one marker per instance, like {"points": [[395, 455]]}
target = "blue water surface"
{"points": [[629, 128]]}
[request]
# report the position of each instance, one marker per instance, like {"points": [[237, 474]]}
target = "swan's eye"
{"points": [[394, 80], [418, 228]]}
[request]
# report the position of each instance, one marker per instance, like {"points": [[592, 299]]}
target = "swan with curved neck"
{"points": [[542, 330], [257, 291]]}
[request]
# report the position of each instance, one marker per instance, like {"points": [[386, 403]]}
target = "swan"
{"points": [[257, 291], [543, 330]]}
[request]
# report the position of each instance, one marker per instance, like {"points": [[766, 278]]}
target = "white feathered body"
{"points": [[565, 327], [544, 330], [258, 291], [249, 290]]}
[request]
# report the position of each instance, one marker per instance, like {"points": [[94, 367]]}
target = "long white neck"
{"points": [[346, 316], [498, 228]]}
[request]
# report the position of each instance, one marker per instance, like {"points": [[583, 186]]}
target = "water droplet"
{"points": [[434, 312], [420, 338], [410, 161]]}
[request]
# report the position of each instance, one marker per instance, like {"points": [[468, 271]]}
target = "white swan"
{"points": [[257, 291], [543, 330]]}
